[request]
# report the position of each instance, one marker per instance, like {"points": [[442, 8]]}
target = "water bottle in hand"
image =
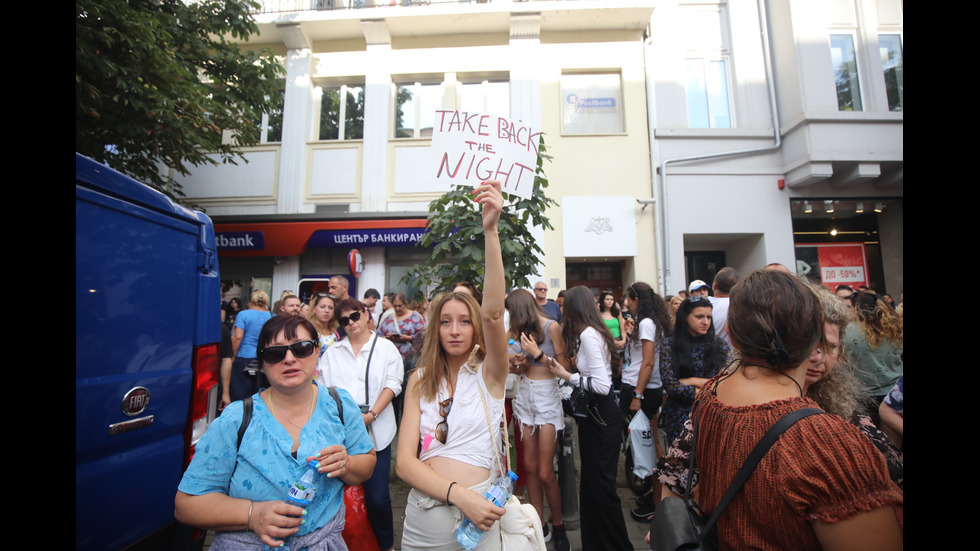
{"points": [[468, 535], [300, 494]]}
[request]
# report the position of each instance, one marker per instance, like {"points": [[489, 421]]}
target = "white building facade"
{"points": [[660, 118]]}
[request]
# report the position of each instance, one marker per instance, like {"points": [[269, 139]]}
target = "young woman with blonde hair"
{"points": [[446, 450]]}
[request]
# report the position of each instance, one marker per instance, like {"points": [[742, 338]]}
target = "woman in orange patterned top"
{"points": [[822, 485]]}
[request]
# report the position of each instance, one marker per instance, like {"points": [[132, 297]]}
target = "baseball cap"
{"points": [[697, 284]]}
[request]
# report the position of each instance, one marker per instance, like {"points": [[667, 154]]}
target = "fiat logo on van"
{"points": [[135, 401]]}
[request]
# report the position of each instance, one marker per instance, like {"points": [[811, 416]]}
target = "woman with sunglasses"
{"points": [[236, 485], [590, 348], [370, 368], [687, 360], [449, 442], [321, 315]]}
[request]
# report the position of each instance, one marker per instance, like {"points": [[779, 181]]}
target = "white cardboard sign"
{"points": [[468, 148]]}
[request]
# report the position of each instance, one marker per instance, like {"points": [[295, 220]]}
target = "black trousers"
{"points": [[603, 526]]}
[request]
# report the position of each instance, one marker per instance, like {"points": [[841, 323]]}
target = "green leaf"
{"points": [[140, 103]]}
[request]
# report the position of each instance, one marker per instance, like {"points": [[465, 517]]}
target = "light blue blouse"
{"points": [[263, 468]]}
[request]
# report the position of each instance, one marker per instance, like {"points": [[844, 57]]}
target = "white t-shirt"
{"points": [[719, 317], [631, 372]]}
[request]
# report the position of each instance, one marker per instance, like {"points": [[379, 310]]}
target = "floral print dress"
{"points": [[411, 325], [679, 398]]}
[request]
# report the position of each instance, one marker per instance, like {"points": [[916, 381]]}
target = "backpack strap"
{"points": [[246, 419], [247, 408], [336, 398]]}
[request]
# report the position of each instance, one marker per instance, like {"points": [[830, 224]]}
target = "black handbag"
{"points": [[581, 399], [679, 522]]}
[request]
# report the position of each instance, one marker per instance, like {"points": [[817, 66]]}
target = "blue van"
{"points": [[147, 331]]}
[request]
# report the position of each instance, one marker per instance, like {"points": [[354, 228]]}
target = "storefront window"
{"points": [[851, 242]]}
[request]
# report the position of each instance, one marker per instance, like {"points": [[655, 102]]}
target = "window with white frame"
{"points": [[708, 97], [491, 97], [415, 107], [844, 59], [592, 103], [270, 123], [893, 65], [267, 127], [341, 113]]}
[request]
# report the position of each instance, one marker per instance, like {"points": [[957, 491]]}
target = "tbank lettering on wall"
{"points": [[240, 240], [468, 148]]}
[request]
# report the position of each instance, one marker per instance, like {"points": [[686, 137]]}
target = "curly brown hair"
{"points": [[879, 323], [838, 392]]}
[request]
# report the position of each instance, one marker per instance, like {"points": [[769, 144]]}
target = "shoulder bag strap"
{"points": [[493, 439], [750, 464], [367, 371]]}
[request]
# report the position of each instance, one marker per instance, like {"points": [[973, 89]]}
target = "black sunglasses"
{"points": [[697, 298], [442, 429], [353, 317], [276, 354]]}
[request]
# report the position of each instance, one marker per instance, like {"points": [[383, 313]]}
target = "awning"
{"points": [[293, 238]]}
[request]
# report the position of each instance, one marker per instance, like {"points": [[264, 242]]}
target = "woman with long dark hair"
{"points": [[687, 360], [609, 312], [642, 387], [589, 348], [537, 404]]}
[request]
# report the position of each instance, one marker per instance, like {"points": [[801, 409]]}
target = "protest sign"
{"points": [[468, 148]]}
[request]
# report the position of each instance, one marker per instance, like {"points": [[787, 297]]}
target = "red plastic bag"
{"points": [[358, 533]]}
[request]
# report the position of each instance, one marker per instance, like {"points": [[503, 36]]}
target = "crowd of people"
{"points": [[333, 382]]}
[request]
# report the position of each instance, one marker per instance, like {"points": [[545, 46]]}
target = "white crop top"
{"points": [[468, 439]]}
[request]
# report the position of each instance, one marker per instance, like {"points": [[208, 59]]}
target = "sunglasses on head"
{"points": [[346, 320], [276, 354], [697, 298]]}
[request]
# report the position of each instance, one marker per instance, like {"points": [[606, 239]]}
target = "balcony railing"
{"points": [[281, 6]]}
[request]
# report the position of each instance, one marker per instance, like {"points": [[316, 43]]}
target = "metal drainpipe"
{"points": [[663, 245]]}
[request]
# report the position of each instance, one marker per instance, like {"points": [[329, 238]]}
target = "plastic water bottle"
{"points": [[300, 494], [468, 535]]}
